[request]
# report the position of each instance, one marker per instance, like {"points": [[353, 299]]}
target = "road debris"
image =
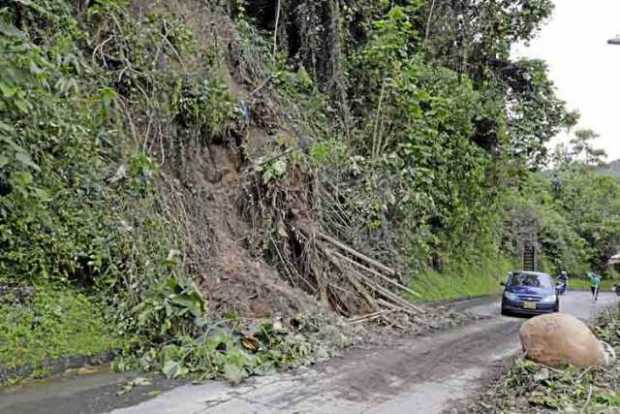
{"points": [[560, 339], [531, 388]]}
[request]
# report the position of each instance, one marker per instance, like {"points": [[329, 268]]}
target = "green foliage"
{"points": [[591, 203], [423, 171], [462, 280], [83, 208], [423, 132], [475, 38], [164, 305], [55, 322], [273, 170], [574, 211], [218, 353], [227, 350], [584, 150], [52, 161], [537, 115], [207, 107]]}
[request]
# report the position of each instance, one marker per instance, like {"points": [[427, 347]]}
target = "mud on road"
{"points": [[402, 375]]}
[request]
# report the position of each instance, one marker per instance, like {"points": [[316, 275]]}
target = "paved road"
{"points": [[411, 375]]}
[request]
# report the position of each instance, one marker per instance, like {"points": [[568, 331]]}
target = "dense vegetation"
{"points": [[430, 140]]}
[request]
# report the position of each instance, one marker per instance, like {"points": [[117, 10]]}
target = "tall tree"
{"points": [[583, 148]]}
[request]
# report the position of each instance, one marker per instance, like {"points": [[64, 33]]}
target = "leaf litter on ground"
{"points": [[131, 385]]}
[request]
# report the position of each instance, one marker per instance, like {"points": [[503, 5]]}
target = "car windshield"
{"points": [[530, 280]]}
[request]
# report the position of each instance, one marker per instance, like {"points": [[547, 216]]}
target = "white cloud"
{"points": [[585, 69]]}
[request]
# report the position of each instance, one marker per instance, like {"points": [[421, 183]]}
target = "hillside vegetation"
{"points": [[184, 163]]}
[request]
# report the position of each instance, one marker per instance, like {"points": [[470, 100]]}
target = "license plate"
{"points": [[529, 305]]}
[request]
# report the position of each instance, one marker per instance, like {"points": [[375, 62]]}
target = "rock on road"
{"points": [[411, 375]]}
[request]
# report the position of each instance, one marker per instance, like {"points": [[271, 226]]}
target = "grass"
{"points": [[606, 284], [54, 323], [468, 280], [482, 278]]}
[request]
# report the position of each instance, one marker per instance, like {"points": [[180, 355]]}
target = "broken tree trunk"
{"points": [[369, 278], [356, 284], [379, 275], [357, 254]]}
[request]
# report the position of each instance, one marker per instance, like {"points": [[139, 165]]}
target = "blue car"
{"points": [[529, 293]]}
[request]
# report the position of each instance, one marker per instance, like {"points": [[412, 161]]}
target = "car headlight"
{"points": [[549, 299], [511, 296]]}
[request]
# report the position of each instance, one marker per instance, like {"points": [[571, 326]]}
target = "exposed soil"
{"points": [[233, 280]]}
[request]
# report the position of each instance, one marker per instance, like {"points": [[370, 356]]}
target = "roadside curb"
{"points": [[447, 302], [54, 367]]}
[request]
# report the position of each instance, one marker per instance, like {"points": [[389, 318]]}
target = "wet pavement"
{"points": [[94, 393]]}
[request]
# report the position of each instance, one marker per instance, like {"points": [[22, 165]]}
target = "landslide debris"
{"points": [[528, 387]]}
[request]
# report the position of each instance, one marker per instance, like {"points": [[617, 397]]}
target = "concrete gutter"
{"points": [[54, 367]]}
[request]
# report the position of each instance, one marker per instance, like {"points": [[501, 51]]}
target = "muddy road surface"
{"points": [[408, 375]]}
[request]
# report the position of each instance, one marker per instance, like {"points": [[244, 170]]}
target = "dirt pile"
{"points": [[250, 204], [232, 279]]}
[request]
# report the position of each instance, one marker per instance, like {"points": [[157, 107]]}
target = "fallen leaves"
{"points": [[130, 385]]}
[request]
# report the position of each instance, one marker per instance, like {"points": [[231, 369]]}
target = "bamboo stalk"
{"points": [[357, 254], [387, 279], [369, 316], [414, 310], [395, 309], [361, 290], [275, 32]]}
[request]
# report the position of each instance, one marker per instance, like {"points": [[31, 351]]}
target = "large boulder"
{"points": [[559, 339]]}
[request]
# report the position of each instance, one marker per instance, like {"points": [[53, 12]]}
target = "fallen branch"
{"points": [[360, 289], [391, 305], [583, 373], [396, 308], [354, 277], [388, 294], [585, 406], [261, 86], [357, 254], [370, 316], [408, 307], [379, 275]]}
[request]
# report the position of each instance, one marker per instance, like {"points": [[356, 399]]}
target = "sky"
{"points": [[585, 69]]}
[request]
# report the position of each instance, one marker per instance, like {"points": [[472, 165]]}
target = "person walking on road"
{"points": [[595, 285]]}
